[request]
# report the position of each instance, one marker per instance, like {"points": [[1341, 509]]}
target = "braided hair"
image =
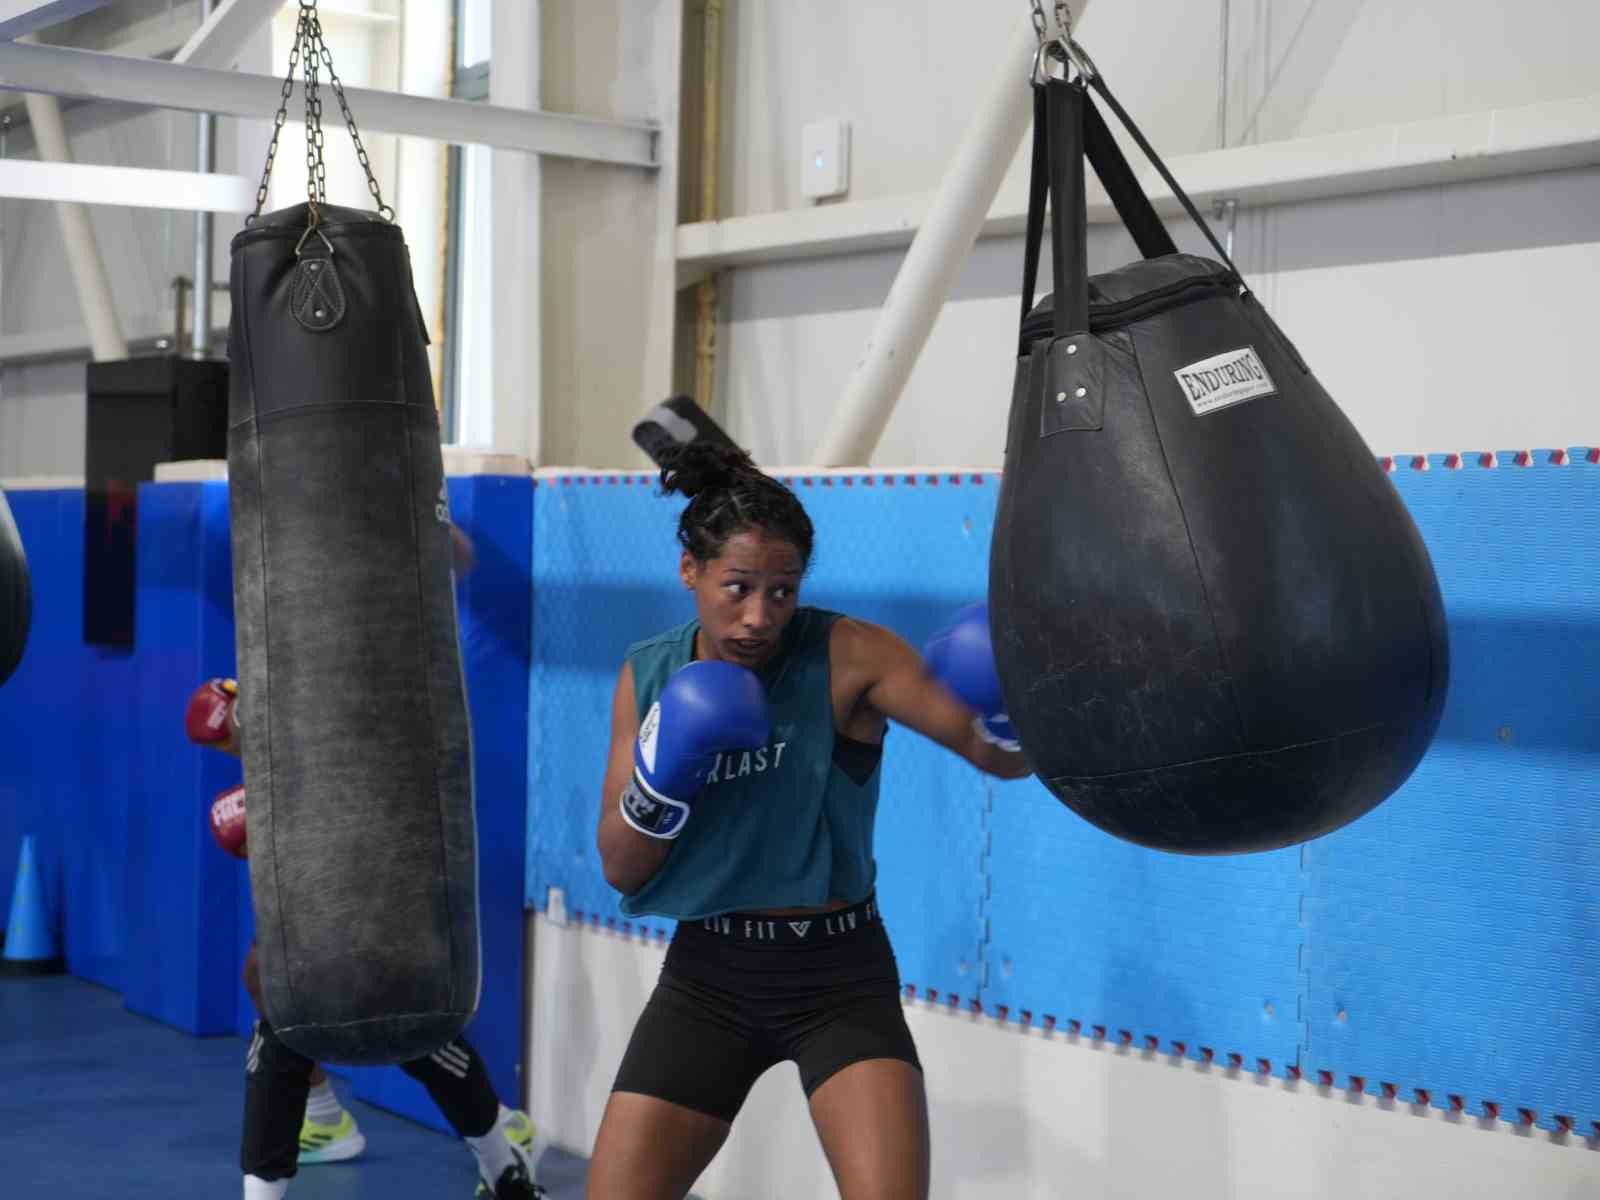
{"points": [[728, 493]]}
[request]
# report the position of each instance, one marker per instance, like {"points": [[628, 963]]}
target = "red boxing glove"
{"points": [[463, 557], [227, 821], [211, 719]]}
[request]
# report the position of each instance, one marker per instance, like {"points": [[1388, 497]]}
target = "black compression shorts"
{"points": [[739, 993]]}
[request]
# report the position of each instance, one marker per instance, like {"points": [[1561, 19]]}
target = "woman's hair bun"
{"points": [[705, 467]]}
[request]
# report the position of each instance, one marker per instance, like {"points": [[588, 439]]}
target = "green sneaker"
{"points": [[330, 1143], [517, 1182]]}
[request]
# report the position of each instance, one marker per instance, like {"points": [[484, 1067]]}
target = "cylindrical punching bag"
{"points": [[16, 594], [357, 753], [1216, 626]]}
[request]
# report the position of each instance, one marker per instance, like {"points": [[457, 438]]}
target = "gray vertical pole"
{"points": [[204, 222]]}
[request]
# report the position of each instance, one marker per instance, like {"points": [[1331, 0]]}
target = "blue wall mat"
{"points": [[1453, 927], [29, 783], [604, 576], [1450, 928], [183, 954], [906, 552], [903, 551], [64, 742], [1085, 927], [159, 872], [494, 602]]}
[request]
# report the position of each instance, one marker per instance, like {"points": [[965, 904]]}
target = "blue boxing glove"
{"points": [[704, 709], [962, 658]]}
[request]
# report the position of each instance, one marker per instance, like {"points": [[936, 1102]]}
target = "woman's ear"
{"points": [[688, 570]]}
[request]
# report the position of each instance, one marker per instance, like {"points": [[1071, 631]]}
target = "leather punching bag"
{"points": [[1216, 626], [357, 750], [16, 594]]}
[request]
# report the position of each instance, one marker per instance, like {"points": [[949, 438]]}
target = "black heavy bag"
{"points": [[16, 594], [357, 751], [1216, 627]]}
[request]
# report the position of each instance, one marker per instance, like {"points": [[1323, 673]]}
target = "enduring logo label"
{"points": [[1225, 380]]}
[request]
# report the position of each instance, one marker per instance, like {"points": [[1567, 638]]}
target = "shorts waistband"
{"points": [[787, 931]]}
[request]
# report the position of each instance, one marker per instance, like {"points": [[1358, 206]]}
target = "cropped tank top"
{"points": [[784, 826]]}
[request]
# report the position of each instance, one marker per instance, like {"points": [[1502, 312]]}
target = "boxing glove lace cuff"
{"points": [[651, 813], [1009, 745]]}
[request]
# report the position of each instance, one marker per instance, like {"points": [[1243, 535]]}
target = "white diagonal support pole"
{"points": [[83, 252], [222, 36], [936, 257], [155, 84]]}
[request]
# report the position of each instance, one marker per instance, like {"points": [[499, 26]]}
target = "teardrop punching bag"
{"points": [[1216, 627], [356, 743]]}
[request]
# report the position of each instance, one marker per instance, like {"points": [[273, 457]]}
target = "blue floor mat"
{"points": [[100, 1104]]}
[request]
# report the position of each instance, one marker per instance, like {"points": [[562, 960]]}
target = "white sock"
{"points": [[264, 1189], [493, 1150], [322, 1106]]}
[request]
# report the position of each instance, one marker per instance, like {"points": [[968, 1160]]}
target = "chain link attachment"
{"points": [[299, 247], [1062, 49], [308, 57]]}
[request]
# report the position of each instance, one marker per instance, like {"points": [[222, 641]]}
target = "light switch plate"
{"points": [[825, 167]]}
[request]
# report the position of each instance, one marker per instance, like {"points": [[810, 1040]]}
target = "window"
{"points": [[468, 406]]}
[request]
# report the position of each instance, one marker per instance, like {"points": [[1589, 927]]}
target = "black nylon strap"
{"points": [[1122, 185], [1068, 129], [1069, 218], [1155, 159], [1038, 193]]}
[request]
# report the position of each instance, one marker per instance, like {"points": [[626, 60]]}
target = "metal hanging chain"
{"points": [[316, 174], [355, 134], [278, 120], [308, 56]]}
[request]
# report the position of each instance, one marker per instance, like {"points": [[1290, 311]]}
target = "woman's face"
{"points": [[745, 596]]}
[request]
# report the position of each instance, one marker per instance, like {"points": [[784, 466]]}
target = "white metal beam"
{"points": [[222, 36], [125, 187], [18, 17], [82, 73], [1551, 136]]}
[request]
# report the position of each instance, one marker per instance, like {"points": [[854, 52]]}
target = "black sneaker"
{"points": [[514, 1185]]}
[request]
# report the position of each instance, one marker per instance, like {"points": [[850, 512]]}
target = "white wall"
{"points": [[907, 78], [607, 246], [1025, 1116], [1392, 298], [1440, 319]]}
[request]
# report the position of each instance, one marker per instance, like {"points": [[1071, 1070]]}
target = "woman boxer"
{"points": [[739, 799]]}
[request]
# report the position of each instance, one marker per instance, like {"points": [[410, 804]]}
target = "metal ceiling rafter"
{"points": [[53, 70], [20, 17]]}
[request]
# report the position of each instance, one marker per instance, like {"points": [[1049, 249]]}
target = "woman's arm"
{"points": [[628, 857], [898, 685]]}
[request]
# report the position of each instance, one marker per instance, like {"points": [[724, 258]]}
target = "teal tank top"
{"points": [[785, 826]]}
